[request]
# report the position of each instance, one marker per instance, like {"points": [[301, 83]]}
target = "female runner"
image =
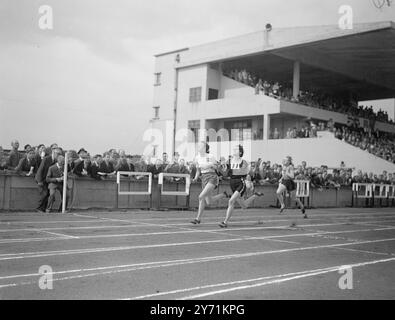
{"points": [[287, 183], [206, 167], [238, 170]]}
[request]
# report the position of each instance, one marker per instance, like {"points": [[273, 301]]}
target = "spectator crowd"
{"points": [[31, 162], [310, 98]]}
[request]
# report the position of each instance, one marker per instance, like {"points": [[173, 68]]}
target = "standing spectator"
{"points": [[55, 183], [27, 148], [165, 160], [41, 175], [95, 167], [259, 87], [124, 164], [15, 156], [156, 168], [107, 167], [174, 166], [3, 160], [276, 134], [183, 168], [40, 154], [313, 131], [82, 166]]}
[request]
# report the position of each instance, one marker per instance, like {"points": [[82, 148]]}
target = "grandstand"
{"points": [[315, 74]]}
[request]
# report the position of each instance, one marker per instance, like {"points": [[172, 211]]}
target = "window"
{"points": [[156, 112], [239, 129], [157, 79], [212, 94], [194, 127], [195, 94]]}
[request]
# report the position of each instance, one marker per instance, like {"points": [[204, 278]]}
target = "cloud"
{"points": [[94, 69]]}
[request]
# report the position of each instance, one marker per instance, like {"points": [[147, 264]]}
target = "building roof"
{"points": [[361, 59]]}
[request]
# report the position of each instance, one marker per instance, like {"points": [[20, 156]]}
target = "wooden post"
{"points": [[64, 198]]}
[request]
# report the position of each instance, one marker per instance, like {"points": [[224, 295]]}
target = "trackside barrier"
{"points": [[133, 193], [177, 177]]}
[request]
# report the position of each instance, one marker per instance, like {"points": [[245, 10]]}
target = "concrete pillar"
{"points": [[296, 79], [202, 131], [266, 127], [220, 71]]}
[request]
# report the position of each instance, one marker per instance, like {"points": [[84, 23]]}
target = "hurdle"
{"points": [[391, 194], [303, 190], [133, 193], [367, 193], [176, 193], [380, 191]]}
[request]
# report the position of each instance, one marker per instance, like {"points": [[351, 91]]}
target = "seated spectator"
{"points": [[27, 164], [14, 157]]}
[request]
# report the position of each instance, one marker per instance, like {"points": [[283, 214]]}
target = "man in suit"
{"points": [[55, 183], [27, 164], [82, 166], [41, 176]]}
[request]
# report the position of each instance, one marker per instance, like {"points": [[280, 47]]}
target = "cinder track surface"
{"points": [[161, 255]]}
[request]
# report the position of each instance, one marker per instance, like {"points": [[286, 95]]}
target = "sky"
{"points": [[88, 82]]}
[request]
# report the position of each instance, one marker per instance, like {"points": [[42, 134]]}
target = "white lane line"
{"points": [[57, 234], [283, 278], [137, 224], [162, 264], [373, 224], [11, 256], [11, 223], [366, 251], [185, 230], [237, 220]]}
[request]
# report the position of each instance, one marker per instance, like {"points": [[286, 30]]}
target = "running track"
{"points": [[160, 255]]}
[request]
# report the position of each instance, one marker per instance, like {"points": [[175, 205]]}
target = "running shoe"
{"points": [[223, 225], [196, 221]]}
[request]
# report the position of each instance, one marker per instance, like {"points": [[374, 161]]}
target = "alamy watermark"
{"points": [[346, 281], [45, 281], [45, 21]]}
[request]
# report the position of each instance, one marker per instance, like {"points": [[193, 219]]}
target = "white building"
{"points": [[191, 90]]}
